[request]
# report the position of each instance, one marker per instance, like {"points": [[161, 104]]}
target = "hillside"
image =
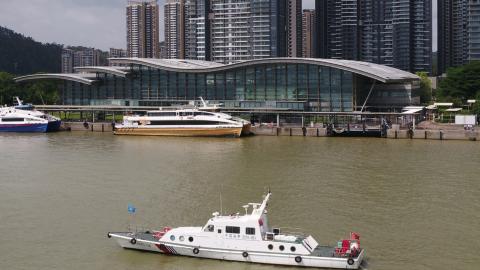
{"points": [[22, 55]]}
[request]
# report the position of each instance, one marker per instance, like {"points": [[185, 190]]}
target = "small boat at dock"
{"points": [[245, 238]]}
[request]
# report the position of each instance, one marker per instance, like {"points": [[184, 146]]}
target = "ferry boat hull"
{"points": [[180, 132], [54, 125], [33, 127], [168, 248]]}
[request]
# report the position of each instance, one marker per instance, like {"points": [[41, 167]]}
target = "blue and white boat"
{"points": [[53, 122], [13, 120]]}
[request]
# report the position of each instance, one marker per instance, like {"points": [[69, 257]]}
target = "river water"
{"points": [[415, 203]]}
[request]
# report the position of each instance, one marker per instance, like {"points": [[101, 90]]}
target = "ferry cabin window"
{"points": [[232, 229], [162, 114], [185, 113], [210, 228], [12, 120], [250, 231]]}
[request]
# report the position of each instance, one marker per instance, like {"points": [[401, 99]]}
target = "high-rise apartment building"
{"points": [[197, 30], [67, 61], [244, 30], [452, 33], [142, 28], [79, 57], [458, 33], [309, 35], [175, 29], [294, 28], [396, 33], [474, 30], [117, 53]]}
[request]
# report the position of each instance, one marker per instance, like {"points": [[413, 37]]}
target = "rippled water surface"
{"points": [[416, 204]]}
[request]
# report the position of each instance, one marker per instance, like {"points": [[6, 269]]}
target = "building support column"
{"points": [[278, 120], [368, 96]]}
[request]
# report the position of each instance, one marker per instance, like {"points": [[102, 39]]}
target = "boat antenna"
{"points": [[221, 206]]}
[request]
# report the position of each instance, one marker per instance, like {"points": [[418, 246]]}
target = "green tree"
{"points": [[39, 92], [425, 90], [461, 82], [7, 88]]}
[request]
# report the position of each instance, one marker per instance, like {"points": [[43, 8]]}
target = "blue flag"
{"points": [[131, 208]]}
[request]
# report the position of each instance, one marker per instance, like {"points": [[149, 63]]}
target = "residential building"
{"points": [[197, 30], [474, 30], [294, 28], [244, 30], [396, 33], [73, 57], [67, 61], [175, 29], [117, 53], [452, 33], [162, 50], [309, 35], [142, 28]]}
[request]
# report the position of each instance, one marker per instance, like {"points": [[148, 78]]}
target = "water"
{"points": [[416, 203]]}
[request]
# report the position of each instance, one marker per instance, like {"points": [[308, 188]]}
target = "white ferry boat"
{"points": [[13, 120], [245, 238], [54, 123], [181, 122]]}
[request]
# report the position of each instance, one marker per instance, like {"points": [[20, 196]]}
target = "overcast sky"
{"points": [[92, 23]]}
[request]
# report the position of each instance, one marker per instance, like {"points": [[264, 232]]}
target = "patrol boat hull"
{"points": [[322, 257]]}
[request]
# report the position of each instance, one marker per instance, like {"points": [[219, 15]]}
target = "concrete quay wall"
{"points": [[88, 127], [289, 131], [434, 134]]}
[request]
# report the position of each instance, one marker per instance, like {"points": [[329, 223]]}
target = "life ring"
{"points": [[108, 235], [298, 259], [245, 254], [196, 251], [133, 241], [350, 261]]}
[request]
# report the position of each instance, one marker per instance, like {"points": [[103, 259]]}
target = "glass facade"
{"points": [[295, 86]]}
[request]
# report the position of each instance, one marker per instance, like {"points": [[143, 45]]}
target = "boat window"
{"points": [[281, 248], [219, 230], [210, 228], [250, 231], [184, 122], [270, 246], [202, 113], [190, 239], [293, 249], [185, 113], [162, 114], [269, 236], [12, 120], [181, 238], [172, 237], [232, 229]]}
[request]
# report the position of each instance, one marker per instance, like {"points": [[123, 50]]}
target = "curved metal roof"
{"points": [[85, 78], [117, 71], [375, 71]]}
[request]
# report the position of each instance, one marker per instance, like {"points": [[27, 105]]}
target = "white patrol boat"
{"points": [[245, 238]]}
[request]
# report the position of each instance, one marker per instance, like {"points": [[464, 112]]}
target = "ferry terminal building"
{"points": [[300, 84]]}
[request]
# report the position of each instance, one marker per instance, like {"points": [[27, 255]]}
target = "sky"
{"points": [[91, 23]]}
